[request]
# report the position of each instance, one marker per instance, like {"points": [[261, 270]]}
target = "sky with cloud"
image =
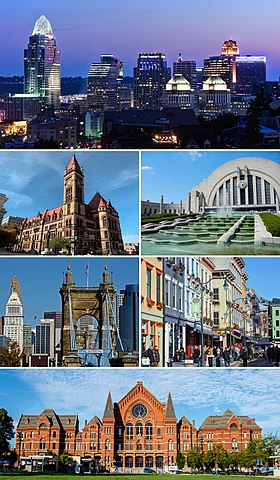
{"points": [[86, 29], [196, 393], [173, 173], [33, 181]]}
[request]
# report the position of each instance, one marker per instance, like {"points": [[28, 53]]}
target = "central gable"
{"points": [[141, 395]]}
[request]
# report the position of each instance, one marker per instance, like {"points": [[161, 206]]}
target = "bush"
{"points": [[272, 223]]}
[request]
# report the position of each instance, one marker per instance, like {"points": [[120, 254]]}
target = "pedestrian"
{"points": [[196, 355], [244, 356], [152, 355], [183, 355], [156, 356], [226, 357]]}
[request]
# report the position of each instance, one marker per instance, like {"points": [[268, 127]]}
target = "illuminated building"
{"points": [[221, 66], [214, 98], [23, 106], [250, 74], [102, 83], [230, 48], [187, 68], [178, 93], [42, 63], [150, 78]]}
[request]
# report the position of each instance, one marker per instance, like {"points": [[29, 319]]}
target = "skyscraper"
{"points": [[129, 318], [13, 321], [102, 83], [250, 74], [230, 48], [42, 63], [150, 78], [221, 66], [187, 68]]}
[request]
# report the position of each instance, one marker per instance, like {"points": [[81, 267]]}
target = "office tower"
{"points": [[119, 303], [150, 78], [230, 48], [221, 66], [42, 63], [102, 83], [187, 68], [214, 98], [178, 93], [27, 339], [250, 74], [13, 321], [45, 338], [56, 316], [129, 318]]}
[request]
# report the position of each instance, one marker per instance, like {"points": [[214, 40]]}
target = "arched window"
{"points": [[234, 425], [42, 444], [54, 434], [139, 429], [108, 444], [159, 431], [42, 425], [234, 445], [129, 431], [170, 445], [149, 431]]}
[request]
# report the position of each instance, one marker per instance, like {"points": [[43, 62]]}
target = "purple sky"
{"points": [[86, 28]]}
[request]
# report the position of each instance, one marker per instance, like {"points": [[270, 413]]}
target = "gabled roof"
{"points": [[56, 421], [222, 421], [97, 201]]}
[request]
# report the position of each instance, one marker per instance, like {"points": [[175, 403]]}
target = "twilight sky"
{"points": [[41, 278], [113, 174], [196, 393], [87, 28]]}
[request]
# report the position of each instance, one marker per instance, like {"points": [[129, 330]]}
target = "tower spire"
{"points": [[109, 411], [170, 411]]}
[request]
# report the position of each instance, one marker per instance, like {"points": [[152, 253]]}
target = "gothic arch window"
{"points": [[107, 444], [234, 425], [139, 429], [234, 444], [149, 431], [42, 425], [129, 431], [42, 444], [170, 445]]}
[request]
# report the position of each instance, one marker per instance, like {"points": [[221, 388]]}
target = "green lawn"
{"points": [[24, 476]]}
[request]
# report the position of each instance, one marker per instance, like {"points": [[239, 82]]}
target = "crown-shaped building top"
{"points": [[43, 27]]}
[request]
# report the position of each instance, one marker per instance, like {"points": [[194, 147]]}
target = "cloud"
{"points": [[17, 200], [147, 168], [194, 155], [246, 392], [125, 178]]}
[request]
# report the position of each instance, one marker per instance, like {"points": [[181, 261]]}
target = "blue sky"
{"points": [[87, 28], [33, 181], [263, 275], [173, 174], [196, 393], [41, 278]]}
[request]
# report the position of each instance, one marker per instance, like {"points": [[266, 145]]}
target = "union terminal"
{"points": [[135, 433], [203, 302]]}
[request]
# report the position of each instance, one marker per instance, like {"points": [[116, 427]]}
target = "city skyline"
{"points": [[195, 393], [85, 32], [113, 174], [189, 167], [40, 288]]}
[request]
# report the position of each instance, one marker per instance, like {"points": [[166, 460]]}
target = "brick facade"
{"points": [[139, 431]]}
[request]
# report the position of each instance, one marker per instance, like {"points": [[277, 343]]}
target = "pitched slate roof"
{"points": [[56, 421], [222, 421], [109, 411], [170, 412]]}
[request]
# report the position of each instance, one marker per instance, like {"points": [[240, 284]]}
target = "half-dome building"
{"points": [[214, 98], [178, 93], [244, 184]]}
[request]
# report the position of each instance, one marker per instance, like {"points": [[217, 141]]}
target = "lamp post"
{"points": [[203, 289], [230, 305]]}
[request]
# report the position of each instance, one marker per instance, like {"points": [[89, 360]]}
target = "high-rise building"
{"points": [[13, 321], [187, 68], [250, 74], [221, 66], [150, 78], [27, 340], [102, 83], [42, 63], [129, 318], [44, 339], [230, 48], [119, 303]]}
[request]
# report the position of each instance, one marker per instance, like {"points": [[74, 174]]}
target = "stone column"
{"points": [[238, 189], [246, 189], [161, 204], [254, 189], [263, 191]]}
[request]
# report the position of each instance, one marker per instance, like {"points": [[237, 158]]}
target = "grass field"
{"points": [[24, 476]]}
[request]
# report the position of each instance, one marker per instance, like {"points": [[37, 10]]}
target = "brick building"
{"points": [[88, 228], [139, 431]]}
